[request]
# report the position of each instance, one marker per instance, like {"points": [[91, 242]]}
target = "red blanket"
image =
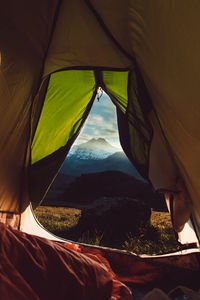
{"points": [[35, 268], [165, 272]]}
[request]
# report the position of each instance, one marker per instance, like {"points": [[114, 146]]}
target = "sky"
{"points": [[102, 122]]}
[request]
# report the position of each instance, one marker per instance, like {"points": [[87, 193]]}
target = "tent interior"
{"points": [[54, 56]]}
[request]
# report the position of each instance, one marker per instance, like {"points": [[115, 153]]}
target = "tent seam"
{"points": [[107, 31]]}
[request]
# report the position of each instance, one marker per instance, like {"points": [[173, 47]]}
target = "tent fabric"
{"points": [[57, 129], [164, 38], [114, 16], [79, 40], [63, 110], [116, 85], [135, 129], [53, 57], [24, 39], [73, 92], [155, 42]]}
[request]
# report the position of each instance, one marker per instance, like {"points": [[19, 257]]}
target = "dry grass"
{"points": [[161, 219], [156, 238], [57, 219]]}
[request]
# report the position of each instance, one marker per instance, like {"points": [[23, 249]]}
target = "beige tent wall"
{"points": [[165, 41], [115, 16], [25, 29], [79, 40], [163, 36]]}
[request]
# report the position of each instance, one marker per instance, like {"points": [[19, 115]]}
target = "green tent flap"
{"points": [[116, 84], [68, 95], [67, 103]]}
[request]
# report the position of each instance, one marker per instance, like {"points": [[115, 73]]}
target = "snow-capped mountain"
{"points": [[97, 155], [94, 149]]}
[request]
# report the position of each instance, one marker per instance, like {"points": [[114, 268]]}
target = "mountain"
{"points": [[93, 149], [97, 155]]}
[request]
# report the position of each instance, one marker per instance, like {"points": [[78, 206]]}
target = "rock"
{"points": [[114, 216]]}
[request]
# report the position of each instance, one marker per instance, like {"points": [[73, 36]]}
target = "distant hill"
{"points": [[97, 169], [97, 155], [119, 162], [89, 187], [62, 181], [53, 196]]}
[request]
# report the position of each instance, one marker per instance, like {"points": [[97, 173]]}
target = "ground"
{"points": [[156, 238]]}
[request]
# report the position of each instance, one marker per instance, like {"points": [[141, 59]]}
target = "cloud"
{"points": [[104, 106], [83, 137], [95, 120], [101, 122], [115, 142], [109, 132]]}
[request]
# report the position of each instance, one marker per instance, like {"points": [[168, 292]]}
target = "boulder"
{"points": [[114, 217]]}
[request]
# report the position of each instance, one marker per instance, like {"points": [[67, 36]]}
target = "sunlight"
{"points": [[188, 235]]}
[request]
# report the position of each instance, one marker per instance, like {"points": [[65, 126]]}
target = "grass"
{"points": [[57, 219], [156, 238], [152, 240], [92, 238]]}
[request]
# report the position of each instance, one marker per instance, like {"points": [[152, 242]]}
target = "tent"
{"points": [[54, 55]]}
